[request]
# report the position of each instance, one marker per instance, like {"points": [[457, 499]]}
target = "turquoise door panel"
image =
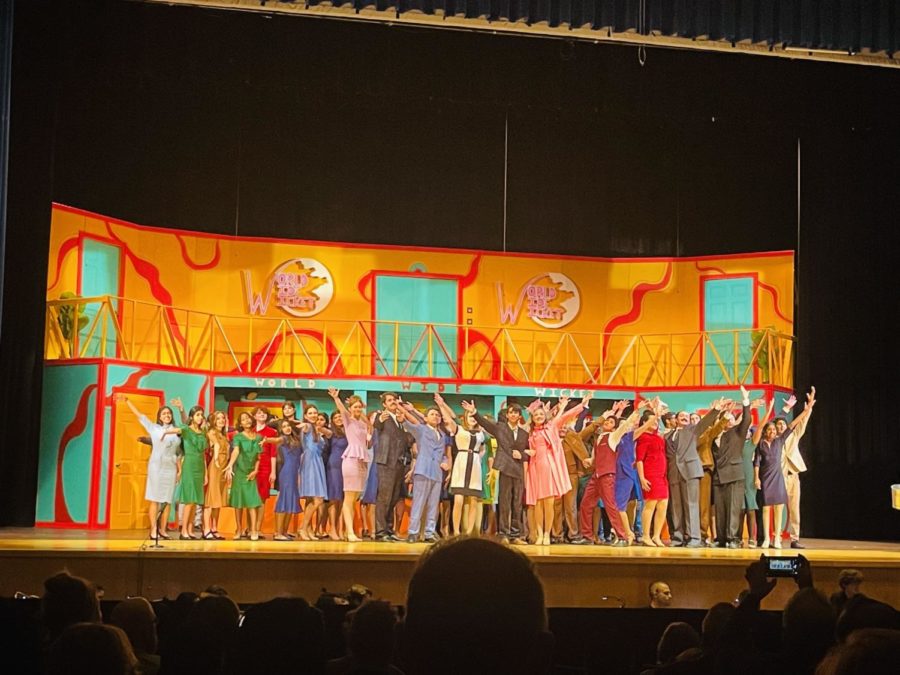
{"points": [[419, 300], [728, 304], [100, 269]]}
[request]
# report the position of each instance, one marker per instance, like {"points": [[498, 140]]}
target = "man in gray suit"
{"points": [[684, 472], [728, 475]]}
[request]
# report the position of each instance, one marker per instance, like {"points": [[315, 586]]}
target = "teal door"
{"points": [[420, 300], [728, 304], [100, 266]]}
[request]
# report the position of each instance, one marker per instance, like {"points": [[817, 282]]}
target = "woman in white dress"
{"points": [[466, 485], [162, 469]]}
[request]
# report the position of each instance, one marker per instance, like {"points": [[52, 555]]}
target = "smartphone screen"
{"points": [[781, 566]]}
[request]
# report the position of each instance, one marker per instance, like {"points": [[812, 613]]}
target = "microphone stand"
{"points": [[159, 516]]}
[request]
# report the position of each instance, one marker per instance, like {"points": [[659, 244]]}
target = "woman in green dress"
{"points": [[191, 476], [241, 470]]}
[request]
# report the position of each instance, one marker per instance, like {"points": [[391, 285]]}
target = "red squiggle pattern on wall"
{"points": [[198, 266], [637, 298], [364, 285], [774, 292], [150, 273], [261, 363], [134, 380], [73, 430], [717, 270], [472, 274], [64, 249]]}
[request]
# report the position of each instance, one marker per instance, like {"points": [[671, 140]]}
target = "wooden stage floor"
{"points": [[574, 576]]}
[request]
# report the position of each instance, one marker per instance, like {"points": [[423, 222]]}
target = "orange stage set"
{"points": [[230, 323]]}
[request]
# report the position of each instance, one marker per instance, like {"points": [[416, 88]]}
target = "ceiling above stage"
{"points": [[844, 31]]}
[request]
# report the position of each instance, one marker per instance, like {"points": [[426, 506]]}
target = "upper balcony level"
{"points": [[131, 330]]}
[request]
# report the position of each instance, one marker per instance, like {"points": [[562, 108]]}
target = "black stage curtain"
{"points": [[231, 122], [844, 25]]}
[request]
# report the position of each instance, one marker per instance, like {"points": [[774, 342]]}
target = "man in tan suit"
{"points": [[577, 463]]}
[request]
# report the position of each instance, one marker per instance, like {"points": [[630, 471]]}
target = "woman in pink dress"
{"points": [[355, 457], [548, 476]]}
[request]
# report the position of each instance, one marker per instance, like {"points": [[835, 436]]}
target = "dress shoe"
{"points": [[733, 544], [431, 539], [797, 544], [383, 538], [581, 541], [394, 537]]}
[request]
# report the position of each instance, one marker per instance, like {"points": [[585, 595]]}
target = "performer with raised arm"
{"points": [[192, 473], [392, 447], [684, 473], [705, 442], [242, 469], [792, 465], [602, 483], [549, 477], [512, 440], [768, 475], [466, 480], [651, 464], [162, 468], [728, 478], [565, 509], [355, 456], [432, 458]]}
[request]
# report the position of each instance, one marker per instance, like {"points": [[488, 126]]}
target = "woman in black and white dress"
{"points": [[466, 485]]}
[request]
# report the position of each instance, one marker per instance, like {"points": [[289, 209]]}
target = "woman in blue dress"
{"points": [[287, 468], [312, 476], [334, 479], [367, 500], [162, 469], [768, 474]]}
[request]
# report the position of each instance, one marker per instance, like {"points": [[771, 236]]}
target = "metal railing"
{"points": [[133, 330]]}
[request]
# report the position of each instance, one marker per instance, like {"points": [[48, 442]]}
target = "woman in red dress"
{"points": [[265, 479], [650, 454]]}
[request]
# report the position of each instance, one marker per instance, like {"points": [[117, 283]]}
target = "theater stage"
{"points": [[574, 576]]}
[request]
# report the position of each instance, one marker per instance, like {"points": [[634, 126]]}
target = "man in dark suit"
{"points": [[728, 477], [512, 440], [393, 444], [684, 473]]}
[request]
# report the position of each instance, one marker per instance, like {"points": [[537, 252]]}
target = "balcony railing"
{"points": [[132, 330]]}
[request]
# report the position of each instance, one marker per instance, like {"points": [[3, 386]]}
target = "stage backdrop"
{"points": [[251, 305]]}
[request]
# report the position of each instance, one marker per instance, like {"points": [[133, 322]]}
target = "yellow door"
{"points": [[128, 508]]}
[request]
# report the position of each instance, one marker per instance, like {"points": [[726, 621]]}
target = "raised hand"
{"points": [[563, 402], [469, 406], [586, 398], [745, 395], [758, 583], [177, 403], [438, 399], [791, 402], [334, 393]]}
